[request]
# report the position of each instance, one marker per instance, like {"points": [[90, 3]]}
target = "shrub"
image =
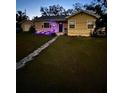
{"points": [[32, 29]]}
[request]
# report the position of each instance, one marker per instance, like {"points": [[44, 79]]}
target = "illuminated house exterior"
{"points": [[78, 24], [50, 24]]}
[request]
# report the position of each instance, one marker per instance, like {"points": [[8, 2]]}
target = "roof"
{"points": [[51, 18], [26, 21], [63, 17], [86, 12]]}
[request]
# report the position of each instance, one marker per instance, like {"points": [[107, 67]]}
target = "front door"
{"points": [[60, 27]]}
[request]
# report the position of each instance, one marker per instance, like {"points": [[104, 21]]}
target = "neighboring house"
{"points": [[78, 24], [26, 25]]}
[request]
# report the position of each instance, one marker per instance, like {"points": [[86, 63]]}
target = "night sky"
{"points": [[33, 6]]}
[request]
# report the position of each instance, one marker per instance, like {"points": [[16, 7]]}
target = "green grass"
{"points": [[69, 65], [27, 43]]}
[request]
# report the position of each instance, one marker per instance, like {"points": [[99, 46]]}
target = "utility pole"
{"points": [[25, 11]]}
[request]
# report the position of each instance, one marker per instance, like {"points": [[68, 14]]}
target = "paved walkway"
{"points": [[31, 56]]}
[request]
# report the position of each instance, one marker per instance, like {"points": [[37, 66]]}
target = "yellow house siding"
{"points": [[81, 27]]}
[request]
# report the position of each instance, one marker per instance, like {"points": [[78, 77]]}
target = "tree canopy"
{"points": [[53, 10], [100, 8], [20, 16]]}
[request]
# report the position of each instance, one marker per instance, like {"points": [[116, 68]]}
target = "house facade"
{"points": [[81, 23], [50, 24], [78, 24]]}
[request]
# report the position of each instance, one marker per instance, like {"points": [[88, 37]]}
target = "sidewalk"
{"points": [[31, 56]]}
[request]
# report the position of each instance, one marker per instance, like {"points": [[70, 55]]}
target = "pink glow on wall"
{"points": [[54, 28]]}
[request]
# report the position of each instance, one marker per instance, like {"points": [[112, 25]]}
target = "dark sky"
{"points": [[33, 6]]}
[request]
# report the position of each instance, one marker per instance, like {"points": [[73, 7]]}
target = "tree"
{"points": [[44, 11], [103, 2], [100, 8], [56, 10], [69, 11], [89, 7], [97, 8], [20, 16], [35, 17], [102, 21], [78, 7], [53, 10]]}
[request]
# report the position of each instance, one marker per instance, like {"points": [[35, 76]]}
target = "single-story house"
{"points": [[51, 24], [79, 24]]}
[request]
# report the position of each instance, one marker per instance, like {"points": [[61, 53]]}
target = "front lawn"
{"points": [[69, 65], [27, 43]]}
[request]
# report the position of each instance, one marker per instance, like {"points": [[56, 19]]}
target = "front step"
{"points": [[59, 33]]}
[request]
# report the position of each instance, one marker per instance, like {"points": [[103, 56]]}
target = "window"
{"points": [[90, 24], [46, 25], [72, 24]]}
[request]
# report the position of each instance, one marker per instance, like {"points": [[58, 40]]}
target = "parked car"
{"points": [[101, 32]]}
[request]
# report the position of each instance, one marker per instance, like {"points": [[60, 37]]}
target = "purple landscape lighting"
{"points": [[44, 33], [54, 26]]}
